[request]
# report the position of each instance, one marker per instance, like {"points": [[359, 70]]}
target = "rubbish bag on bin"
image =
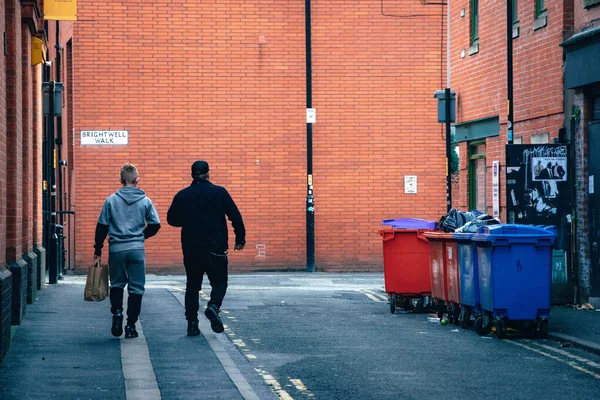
{"points": [[482, 220], [456, 218]]}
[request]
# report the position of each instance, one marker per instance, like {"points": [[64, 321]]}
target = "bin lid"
{"points": [[437, 235], [463, 236], [516, 233], [409, 223]]}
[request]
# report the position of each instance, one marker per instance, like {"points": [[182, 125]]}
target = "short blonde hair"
{"points": [[129, 173]]}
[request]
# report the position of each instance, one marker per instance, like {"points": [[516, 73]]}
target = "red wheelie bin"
{"points": [[445, 281], [406, 263]]}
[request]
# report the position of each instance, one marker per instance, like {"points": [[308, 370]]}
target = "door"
{"points": [[594, 201], [477, 177]]}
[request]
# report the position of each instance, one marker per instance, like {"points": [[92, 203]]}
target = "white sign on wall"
{"points": [[496, 189], [104, 138], [311, 115], [410, 184]]}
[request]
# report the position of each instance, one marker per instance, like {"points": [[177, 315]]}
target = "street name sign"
{"points": [[104, 138]]}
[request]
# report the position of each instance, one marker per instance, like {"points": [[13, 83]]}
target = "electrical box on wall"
{"points": [[58, 97], [441, 96]]}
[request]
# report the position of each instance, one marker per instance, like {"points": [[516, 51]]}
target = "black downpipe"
{"points": [[53, 245], [58, 165], [310, 199], [45, 160], [448, 151], [509, 67]]}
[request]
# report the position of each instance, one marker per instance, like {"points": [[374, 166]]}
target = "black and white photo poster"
{"points": [[537, 184]]}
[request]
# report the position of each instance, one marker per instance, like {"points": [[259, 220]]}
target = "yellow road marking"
{"points": [[378, 295], [275, 385], [567, 354], [301, 387], [369, 295], [569, 363]]}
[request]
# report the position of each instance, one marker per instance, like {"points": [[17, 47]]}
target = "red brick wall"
{"points": [[3, 156], [583, 16], [14, 87], [226, 82], [28, 137], [480, 79]]}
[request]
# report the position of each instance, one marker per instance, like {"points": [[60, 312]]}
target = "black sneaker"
{"points": [[193, 329], [212, 313], [117, 324], [130, 332]]}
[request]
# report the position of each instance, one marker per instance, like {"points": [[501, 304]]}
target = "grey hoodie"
{"points": [[126, 213]]}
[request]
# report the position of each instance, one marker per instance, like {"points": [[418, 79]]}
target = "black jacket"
{"points": [[200, 211]]}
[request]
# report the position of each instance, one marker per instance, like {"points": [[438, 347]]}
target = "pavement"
{"points": [[572, 326], [64, 349]]}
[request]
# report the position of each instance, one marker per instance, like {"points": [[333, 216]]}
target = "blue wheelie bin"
{"points": [[468, 271], [515, 278]]}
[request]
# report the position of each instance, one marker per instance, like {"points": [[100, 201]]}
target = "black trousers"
{"points": [[196, 264]]}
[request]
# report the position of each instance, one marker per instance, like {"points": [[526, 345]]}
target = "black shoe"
{"points": [[130, 332], [212, 313], [117, 324], [193, 329]]}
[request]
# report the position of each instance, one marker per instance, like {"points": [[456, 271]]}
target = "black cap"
{"points": [[200, 167]]}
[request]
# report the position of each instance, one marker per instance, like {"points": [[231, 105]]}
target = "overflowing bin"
{"points": [[515, 276], [406, 263], [445, 286]]}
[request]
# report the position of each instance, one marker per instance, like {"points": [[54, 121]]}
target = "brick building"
{"points": [[546, 103], [478, 65], [22, 256], [226, 82], [582, 111]]}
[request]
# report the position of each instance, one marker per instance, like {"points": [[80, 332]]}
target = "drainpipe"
{"points": [[310, 199]]}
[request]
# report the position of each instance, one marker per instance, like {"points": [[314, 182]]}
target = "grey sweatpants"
{"points": [[128, 268]]}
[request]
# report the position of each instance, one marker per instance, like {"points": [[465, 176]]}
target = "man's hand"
{"points": [[239, 246], [96, 258]]}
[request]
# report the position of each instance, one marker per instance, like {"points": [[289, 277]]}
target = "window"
{"points": [[596, 107], [515, 19], [590, 3], [540, 138], [541, 16], [539, 8], [474, 22], [477, 177]]}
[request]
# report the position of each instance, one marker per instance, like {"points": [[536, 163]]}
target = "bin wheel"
{"points": [[500, 329], [481, 327], [529, 329], [466, 318], [456, 315], [407, 304], [392, 300], [420, 306], [440, 310], [543, 329]]}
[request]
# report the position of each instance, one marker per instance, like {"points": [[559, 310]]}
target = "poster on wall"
{"points": [[537, 193], [537, 186]]}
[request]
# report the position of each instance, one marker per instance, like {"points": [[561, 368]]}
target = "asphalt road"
{"points": [[332, 336]]}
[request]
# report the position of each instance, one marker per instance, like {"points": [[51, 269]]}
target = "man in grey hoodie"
{"points": [[128, 217]]}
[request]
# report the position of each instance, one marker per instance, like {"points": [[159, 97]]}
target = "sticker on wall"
{"points": [[591, 184], [410, 184]]}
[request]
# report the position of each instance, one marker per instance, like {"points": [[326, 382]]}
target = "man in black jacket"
{"points": [[200, 211]]}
